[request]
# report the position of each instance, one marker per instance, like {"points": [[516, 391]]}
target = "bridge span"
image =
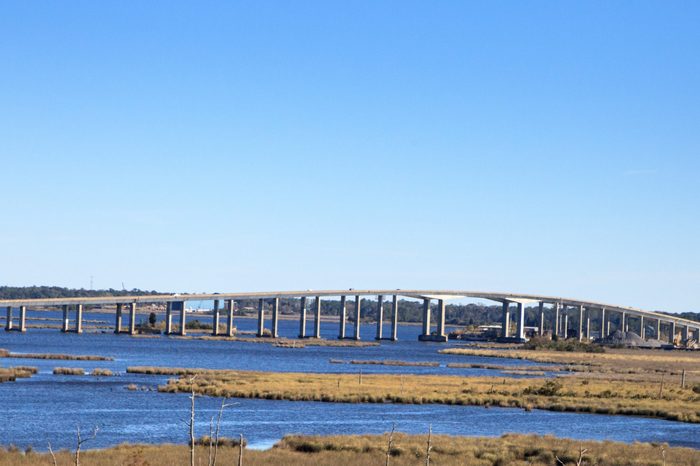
{"points": [[587, 315]]}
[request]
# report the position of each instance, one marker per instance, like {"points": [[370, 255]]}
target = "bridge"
{"points": [[586, 314]]}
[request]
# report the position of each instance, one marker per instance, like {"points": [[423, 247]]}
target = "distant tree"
{"points": [[152, 319]]}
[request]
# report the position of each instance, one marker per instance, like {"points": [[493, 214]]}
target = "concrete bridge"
{"points": [[587, 314]]}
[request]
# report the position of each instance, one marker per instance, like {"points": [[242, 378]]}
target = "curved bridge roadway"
{"points": [[587, 315]]}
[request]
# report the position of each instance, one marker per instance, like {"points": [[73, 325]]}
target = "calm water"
{"points": [[47, 407]]}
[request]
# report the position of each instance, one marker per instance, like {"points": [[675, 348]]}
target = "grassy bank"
{"points": [[640, 398], [372, 450], [10, 374], [67, 357], [620, 364]]}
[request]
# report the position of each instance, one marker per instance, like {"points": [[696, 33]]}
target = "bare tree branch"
{"points": [[53, 457]]}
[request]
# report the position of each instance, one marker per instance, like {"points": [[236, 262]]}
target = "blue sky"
{"points": [[541, 147]]}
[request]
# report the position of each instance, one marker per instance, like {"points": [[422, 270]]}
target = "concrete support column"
{"points": [[541, 329], [132, 319], [658, 329], [23, 318], [441, 318], [588, 324], [343, 318], [302, 318], [642, 330], [261, 317], [230, 306], [215, 319], [505, 324], [426, 316], [183, 318], [64, 326], [521, 321], [672, 332], [604, 328], [395, 318], [79, 318], [566, 326], [168, 318], [358, 316], [580, 323], [118, 319], [380, 317], [555, 323], [607, 330], [275, 317], [8, 322], [623, 322], [317, 317]]}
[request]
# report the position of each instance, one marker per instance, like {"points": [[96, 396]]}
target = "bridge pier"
{"points": [[118, 319], [580, 323], [343, 318], [230, 306], [317, 317], [588, 324], [672, 332], [380, 317], [541, 329], [275, 317], [555, 323], [566, 326], [521, 321], [426, 319], [505, 324], [394, 318], [623, 321], [132, 319], [8, 321], [261, 317], [604, 328], [23, 318], [642, 330], [302, 318], [79, 318], [168, 318], [183, 318], [215, 319], [358, 316], [441, 320], [64, 324]]}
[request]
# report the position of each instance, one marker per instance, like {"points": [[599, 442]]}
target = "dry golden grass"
{"points": [[101, 372], [622, 364], [68, 357], [385, 362], [640, 398], [68, 371], [10, 374], [368, 450]]}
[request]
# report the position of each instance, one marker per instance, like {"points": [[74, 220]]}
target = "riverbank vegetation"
{"points": [[10, 374], [385, 362], [68, 357], [371, 450], [666, 400], [68, 371], [614, 364]]}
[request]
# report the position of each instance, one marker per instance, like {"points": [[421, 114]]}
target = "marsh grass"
{"points": [[68, 371], [101, 372], [621, 364], [68, 357], [575, 394], [370, 450], [385, 362], [10, 374]]}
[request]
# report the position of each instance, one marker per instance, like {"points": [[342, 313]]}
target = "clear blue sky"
{"points": [[542, 147]]}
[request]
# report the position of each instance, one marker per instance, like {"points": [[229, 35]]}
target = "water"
{"points": [[47, 407]]}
